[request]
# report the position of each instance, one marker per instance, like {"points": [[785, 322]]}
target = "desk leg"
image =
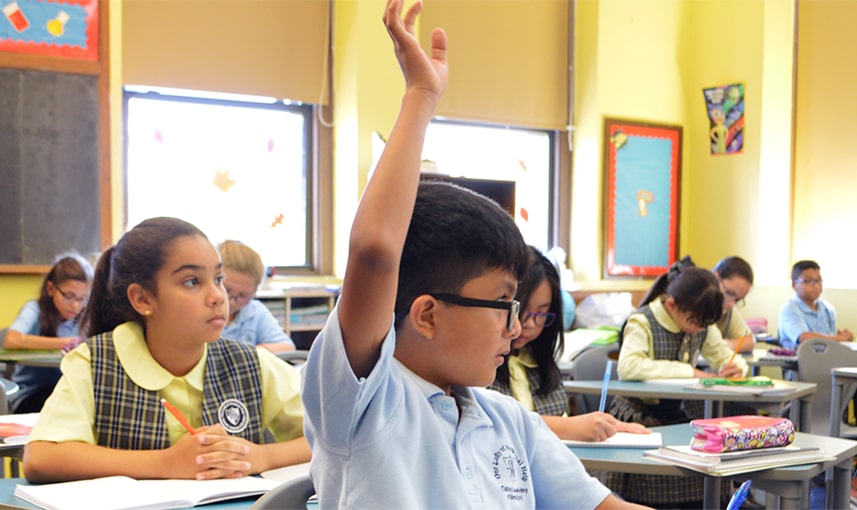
{"points": [[835, 406], [841, 488], [801, 413], [711, 492], [789, 493], [708, 410]]}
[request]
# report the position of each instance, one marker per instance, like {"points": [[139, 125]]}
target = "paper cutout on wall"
{"points": [[725, 107], [61, 28]]}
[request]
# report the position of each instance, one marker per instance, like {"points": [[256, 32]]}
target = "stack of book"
{"points": [[732, 463]]}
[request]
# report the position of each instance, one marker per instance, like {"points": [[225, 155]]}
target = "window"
{"points": [[235, 168], [524, 156]]}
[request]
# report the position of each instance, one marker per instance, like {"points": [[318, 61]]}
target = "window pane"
{"points": [[235, 170], [500, 153]]}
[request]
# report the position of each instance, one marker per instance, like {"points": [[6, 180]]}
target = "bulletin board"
{"points": [[59, 28], [642, 177], [49, 165]]}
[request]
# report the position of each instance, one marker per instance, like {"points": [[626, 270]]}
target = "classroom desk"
{"points": [[800, 396], [844, 384], [790, 484], [758, 359], [31, 358], [8, 500]]}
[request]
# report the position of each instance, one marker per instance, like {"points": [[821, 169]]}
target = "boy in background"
{"points": [[426, 311], [806, 315]]}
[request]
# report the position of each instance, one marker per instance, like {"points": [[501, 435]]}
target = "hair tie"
{"points": [[674, 270]]}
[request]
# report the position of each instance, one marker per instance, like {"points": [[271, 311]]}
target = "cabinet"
{"points": [[301, 310]]}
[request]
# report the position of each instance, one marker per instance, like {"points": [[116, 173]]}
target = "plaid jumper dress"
{"points": [[132, 418]]}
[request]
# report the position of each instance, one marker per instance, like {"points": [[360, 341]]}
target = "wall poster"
{"points": [[725, 107]]}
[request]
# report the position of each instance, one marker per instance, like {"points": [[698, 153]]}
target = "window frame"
{"points": [[317, 168], [559, 178]]}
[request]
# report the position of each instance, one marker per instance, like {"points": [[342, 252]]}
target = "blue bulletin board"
{"points": [[642, 182]]}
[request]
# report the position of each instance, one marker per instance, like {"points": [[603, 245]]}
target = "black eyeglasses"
{"points": [[71, 298], [540, 319], [511, 307], [809, 281], [730, 294]]}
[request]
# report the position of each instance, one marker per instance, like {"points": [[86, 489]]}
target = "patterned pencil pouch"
{"points": [[734, 433]]}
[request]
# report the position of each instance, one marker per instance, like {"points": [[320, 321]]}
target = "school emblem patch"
{"points": [[233, 416], [511, 473]]}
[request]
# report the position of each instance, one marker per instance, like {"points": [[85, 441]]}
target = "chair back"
{"points": [[296, 357], [815, 358], [291, 495], [589, 365]]}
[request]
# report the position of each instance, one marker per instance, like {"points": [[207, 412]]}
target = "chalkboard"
{"points": [[49, 165]]}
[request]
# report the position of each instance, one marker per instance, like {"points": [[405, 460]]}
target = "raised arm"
{"points": [[381, 221]]}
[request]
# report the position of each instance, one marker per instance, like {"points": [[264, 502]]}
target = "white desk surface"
{"points": [[800, 396]]}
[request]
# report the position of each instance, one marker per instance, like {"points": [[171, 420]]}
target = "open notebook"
{"points": [[124, 493], [622, 440]]}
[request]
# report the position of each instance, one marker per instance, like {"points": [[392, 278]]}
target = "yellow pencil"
{"points": [[738, 347]]}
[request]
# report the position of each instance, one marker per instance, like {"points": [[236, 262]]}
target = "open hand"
{"points": [[429, 75]]}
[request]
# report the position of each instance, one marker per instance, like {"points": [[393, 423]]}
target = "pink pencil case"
{"points": [[734, 433]]}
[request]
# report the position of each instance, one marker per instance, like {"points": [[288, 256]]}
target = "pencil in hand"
{"points": [[179, 416], [738, 348]]}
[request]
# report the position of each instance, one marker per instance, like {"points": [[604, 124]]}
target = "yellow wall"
{"points": [[650, 61], [17, 290]]}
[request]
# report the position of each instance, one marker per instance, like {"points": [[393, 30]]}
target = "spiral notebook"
{"points": [[622, 440], [731, 463]]}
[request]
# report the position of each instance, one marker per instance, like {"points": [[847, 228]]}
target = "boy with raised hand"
{"points": [[806, 315], [427, 310]]}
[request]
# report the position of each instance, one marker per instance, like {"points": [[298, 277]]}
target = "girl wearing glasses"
{"points": [[530, 372], [249, 320], [51, 322], [736, 280]]}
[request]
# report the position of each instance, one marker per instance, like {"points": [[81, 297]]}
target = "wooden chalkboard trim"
{"points": [[24, 269], [46, 63]]}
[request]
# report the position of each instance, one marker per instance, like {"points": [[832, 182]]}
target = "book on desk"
{"points": [[124, 493], [732, 463]]}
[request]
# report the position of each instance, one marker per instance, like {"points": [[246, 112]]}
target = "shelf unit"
{"points": [[301, 310]]}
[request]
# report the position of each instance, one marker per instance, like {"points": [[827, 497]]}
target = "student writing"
{"points": [[249, 319], [735, 276], [427, 310], [806, 315], [51, 322], [530, 372], [663, 339], [157, 311], [736, 279]]}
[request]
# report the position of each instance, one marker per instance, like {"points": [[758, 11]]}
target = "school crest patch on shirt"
{"points": [[233, 416], [511, 472]]}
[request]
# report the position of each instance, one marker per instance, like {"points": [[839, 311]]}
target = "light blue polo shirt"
{"points": [[797, 317], [394, 440], [254, 324], [27, 323]]}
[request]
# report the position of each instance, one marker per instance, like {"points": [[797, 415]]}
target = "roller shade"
{"points": [[508, 60], [259, 47]]}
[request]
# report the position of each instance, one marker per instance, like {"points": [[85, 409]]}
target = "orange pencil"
{"points": [[737, 347], [179, 416]]}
